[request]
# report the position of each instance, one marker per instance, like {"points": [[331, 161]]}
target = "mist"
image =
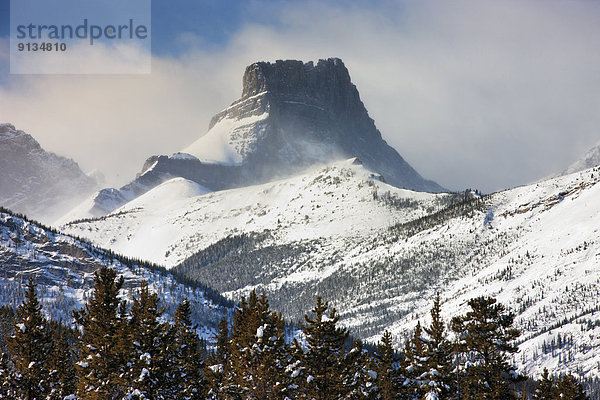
{"points": [[486, 95]]}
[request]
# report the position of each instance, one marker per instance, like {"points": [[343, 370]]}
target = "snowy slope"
{"points": [[380, 253], [171, 222], [589, 160], [63, 268], [229, 140]]}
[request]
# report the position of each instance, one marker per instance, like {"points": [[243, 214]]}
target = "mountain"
{"points": [[589, 160], [35, 182], [380, 253], [174, 220], [63, 267], [291, 115]]}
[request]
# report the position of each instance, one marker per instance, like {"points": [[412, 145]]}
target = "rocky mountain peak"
{"points": [[35, 182]]}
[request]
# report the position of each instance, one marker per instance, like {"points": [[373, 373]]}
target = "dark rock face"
{"points": [[315, 115], [37, 183]]}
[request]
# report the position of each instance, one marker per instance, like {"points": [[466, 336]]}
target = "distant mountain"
{"points": [[35, 182], [380, 253], [589, 160], [291, 115], [62, 266]]}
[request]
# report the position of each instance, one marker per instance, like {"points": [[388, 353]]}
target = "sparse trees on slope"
{"points": [[485, 340]]}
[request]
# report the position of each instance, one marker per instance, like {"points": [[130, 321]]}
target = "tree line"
{"points": [[128, 351]]}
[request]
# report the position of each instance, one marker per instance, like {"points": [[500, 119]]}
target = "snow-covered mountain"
{"points": [[35, 182], [380, 253], [63, 268], [291, 115], [589, 160], [174, 220]]}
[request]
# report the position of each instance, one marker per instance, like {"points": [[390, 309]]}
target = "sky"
{"points": [[473, 94]]}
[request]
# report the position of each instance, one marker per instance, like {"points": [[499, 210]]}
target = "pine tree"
{"points": [[569, 388], [217, 361], [103, 360], [62, 376], [485, 339], [389, 378], [439, 379], [29, 347], [259, 354], [188, 377], [546, 388], [149, 337], [414, 365], [320, 372], [8, 389]]}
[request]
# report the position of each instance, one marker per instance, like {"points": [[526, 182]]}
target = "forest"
{"points": [[115, 350]]}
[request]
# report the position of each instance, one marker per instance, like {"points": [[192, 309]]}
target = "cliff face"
{"points": [[299, 114]]}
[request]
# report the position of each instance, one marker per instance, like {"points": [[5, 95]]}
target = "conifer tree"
{"points": [[320, 372], [569, 388], [62, 376], [389, 378], [218, 361], [29, 347], [546, 388], [258, 352], [414, 363], [150, 362], [188, 377], [103, 360], [8, 389], [485, 339], [439, 379]]}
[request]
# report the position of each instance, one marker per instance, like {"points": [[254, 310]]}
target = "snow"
{"points": [[228, 140], [166, 225], [21, 327], [182, 156], [535, 248]]}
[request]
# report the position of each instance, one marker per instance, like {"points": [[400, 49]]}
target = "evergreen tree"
{"points": [[62, 376], [389, 378], [485, 340], [188, 377], [439, 379], [29, 347], [320, 373], [546, 388], [259, 354], [103, 360], [8, 389], [414, 365], [569, 388], [149, 337], [218, 361]]}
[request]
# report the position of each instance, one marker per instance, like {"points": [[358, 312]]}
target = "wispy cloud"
{"points": [[473, 94]]}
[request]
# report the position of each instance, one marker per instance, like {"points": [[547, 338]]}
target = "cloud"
{"points": [[473, 94]]}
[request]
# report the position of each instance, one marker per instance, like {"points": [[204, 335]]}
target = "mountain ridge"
{"points": [[35, 182]]}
